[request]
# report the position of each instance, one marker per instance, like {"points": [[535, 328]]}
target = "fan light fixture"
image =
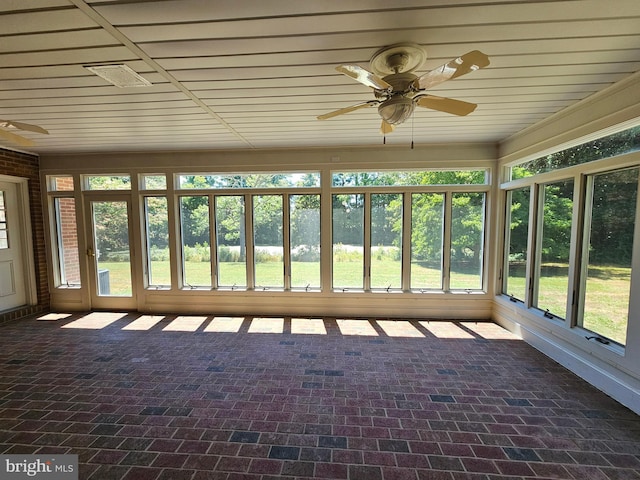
{"points": [[396, 110], [119, 75]]}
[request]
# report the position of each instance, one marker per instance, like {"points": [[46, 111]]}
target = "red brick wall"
{"points": [[23, 165]]}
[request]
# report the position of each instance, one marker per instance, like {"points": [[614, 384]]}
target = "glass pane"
{"points": [[305, 240], [108, 182], [196, 253], [608, 277], [518, 220], [467, 238], [153, 182], [66, 228], [268, 241], [157, 236], [348, 241], [4, 237], [408, 178], [111, 234], [427, 223], [230, 236], [553, 269], [615, 144], [60, 184], [386, 241], [250, 180]]}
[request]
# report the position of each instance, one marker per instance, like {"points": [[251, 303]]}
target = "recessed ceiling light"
{"points": [[119, 75]]}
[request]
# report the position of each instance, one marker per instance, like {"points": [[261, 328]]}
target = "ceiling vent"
{"points": [[119, 75]]}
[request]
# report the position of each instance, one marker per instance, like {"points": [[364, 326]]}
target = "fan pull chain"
{"points": [[384, 140]]}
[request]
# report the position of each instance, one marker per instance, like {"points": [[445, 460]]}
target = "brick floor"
{"points": [[165, 397]]}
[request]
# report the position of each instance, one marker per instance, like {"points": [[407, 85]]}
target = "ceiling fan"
{"points": [[398, 90], [14, 137]]}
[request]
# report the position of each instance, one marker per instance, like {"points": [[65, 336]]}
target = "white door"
{"points": [[13, 292], [110, 262]]}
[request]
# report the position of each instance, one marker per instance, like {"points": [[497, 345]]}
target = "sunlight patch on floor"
{"points": [[442, 329], [400, 328], [144, 322], [54, 316], [356, 327], [489, 330], [225, 324], [185, 324], [95, 320], [266, 325], [309, 326]]}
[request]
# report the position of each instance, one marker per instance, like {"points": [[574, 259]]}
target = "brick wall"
{"points": [[18, 164]]}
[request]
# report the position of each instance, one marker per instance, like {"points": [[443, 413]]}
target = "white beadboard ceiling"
{"points": [[252, 74]]}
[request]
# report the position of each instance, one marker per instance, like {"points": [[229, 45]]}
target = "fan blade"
{"points": [[448, 105], [26, 126], [363, 76], [342, 111], [467, 63], [17, 139], [386, 128]]}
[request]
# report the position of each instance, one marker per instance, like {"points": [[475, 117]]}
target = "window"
{"points": [[410, 178], [427, 226], [66, 237], [153, 182], [386, 241], [248, 180], [304, 214], [231, 246], [348, 241], [60, 183], [196, 241], [467, 240], [517, 220], [107, 182], [268, 252], [573, 259], [608, 248], [618, 143], [4, 230], [552, 265], [157, 241]]}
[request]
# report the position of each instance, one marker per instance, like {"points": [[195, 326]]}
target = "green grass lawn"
{"points": [[606, 301], [607, 288]]}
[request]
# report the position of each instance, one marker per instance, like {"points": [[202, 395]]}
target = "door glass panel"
{"points": [[386, 241], [112, 252], [427, 223], [196, 253], [305, 240], [268, 241], [608, 269], [4, 230], [348, 241], [157, 241], [467, 234], [231, 243], [518, 234], [67, 242], [553, 265]]}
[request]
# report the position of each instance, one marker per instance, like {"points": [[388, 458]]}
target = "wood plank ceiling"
{"points": [[231, 74]]}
